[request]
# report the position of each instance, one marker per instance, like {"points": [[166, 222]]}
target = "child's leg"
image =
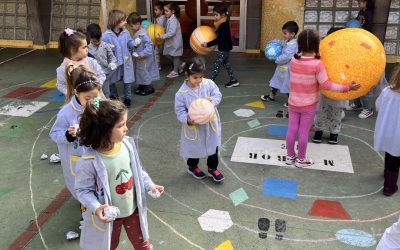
{"points": [[212, 160], [293, 127], [127, 91], [227, 66], [392, 164], [134, 232], [177, 62], [217, 65], [116, 232], [192, 163], [157, 54], [306, 120], [113, 90], [321, 119], [335, 120]]}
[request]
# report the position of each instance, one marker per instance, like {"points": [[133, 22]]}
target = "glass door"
{"points": [[237, 11]]}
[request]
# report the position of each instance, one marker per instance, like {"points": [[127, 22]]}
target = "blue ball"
{"points": [[273, 50], [354, 23], [146, 23]]}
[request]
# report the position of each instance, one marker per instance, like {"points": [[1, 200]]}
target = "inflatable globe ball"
{"points": [[146, 23], [154, 31], [201, 111], [202, 34], [352, 55], [273, 50], [354, 23]]}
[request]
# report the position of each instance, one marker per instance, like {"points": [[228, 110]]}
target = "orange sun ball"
{"points": [[154, 31], [202, 34], [349, 55]]}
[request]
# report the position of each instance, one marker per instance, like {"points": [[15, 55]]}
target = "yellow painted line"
{"points": [[252, 51], [16, 43], [50, 84], [393, 59]]}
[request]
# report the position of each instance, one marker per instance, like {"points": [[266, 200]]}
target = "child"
{"points": [[199, 141], [119, 37], [365, 16], [307, 75], [173, 45], [72, 45], [103, 54], [83, 86], [281, 79], [329, 114], [387, 136], [110, 173], [146, 70], [224, 42], [391, 238], [161, 20]]}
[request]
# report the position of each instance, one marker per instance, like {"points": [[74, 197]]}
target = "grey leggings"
{"points": [[176, 60]]}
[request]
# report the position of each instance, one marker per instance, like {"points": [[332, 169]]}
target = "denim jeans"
{"points": [[127, 90], [365, 101]]}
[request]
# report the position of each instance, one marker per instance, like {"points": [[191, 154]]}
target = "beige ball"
{"points": [[202, 34], [201, 111]]}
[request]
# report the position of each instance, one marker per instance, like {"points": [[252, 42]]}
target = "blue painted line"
{"points": [[280, 188], [277, 130], [355, 237]]}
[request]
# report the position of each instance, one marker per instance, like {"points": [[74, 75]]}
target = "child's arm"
{"points": [[180, 109], [287, 55], [324, 82], [99, 71], [148, 47], [110, 55], [171, 31], [85, 185], [61, 131], [215, 94], [61, 81]]}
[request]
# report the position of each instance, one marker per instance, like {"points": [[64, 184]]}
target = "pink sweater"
{"points": [[306, 75]]}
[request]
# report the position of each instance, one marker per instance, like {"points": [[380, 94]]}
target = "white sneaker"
{"points": [[286, 105], [290, 160], [306, 162], [365, 114], [173, 74], [343, 115]]}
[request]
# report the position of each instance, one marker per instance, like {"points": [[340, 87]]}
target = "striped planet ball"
{"points": [[202, 34], [201, 111], [353, 55]]}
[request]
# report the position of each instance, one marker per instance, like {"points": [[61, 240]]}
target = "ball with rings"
{"points": [[202, 34], [201, 111]]}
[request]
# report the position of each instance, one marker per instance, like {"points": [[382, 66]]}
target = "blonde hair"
{"points": [[114, 18], [81, 79], [394, 82]]}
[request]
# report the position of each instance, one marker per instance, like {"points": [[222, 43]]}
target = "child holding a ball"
{"points": [[281, 78], [308, 74], [199, 138]]}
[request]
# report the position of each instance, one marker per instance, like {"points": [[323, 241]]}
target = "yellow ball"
{"points": [[154, 31], [201, 111], [202, 34], [353, 55]]}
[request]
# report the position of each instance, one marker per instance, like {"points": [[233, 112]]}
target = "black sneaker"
{"points": [[147, 91], [216, 175], [139, 89], [317, 137], [197, 173], [267, 98], [231, 84], [114, 97], [333, 139], [127, 103]]}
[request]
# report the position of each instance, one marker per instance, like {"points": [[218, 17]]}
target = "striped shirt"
{"points": [[306, 76]]}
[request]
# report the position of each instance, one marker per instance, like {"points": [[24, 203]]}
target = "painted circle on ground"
{"points": [[355, 237], [353, 55]]}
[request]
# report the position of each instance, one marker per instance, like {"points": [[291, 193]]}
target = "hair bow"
{"points": [[69, 31]]}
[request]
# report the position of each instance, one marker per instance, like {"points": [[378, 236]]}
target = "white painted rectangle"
{"points": [[273, 152], [22, 108]]}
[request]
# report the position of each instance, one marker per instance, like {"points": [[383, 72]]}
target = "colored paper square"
{"points": [[4, 191], [277, 130], [280, 188], [27, 93], [330, 209], [254, 123], [238, 196], [50, 84], [57, 97]]}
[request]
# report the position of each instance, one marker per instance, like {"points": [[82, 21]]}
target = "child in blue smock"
{"points": [[83, 86], [161, 20], [199, 140], [111, 174], [146, 70], [173, 43], [119, 37], [281, 78], [73, 47]]}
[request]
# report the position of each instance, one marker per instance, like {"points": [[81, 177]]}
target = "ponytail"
{"points": [[222, 9]]}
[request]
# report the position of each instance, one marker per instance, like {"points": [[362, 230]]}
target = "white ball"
{"points": [[201, 111]]}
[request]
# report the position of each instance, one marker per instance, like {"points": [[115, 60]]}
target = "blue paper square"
{"points": [[277, 130], [57, 97], [280, 188], [238, 196]]}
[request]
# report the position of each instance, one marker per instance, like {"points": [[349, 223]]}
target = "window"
{"points": [[321, 15], [392, 38]]}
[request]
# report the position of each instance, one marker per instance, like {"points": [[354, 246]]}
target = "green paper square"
{"points": [[4, 191], [238, 196], [254, 123]]}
